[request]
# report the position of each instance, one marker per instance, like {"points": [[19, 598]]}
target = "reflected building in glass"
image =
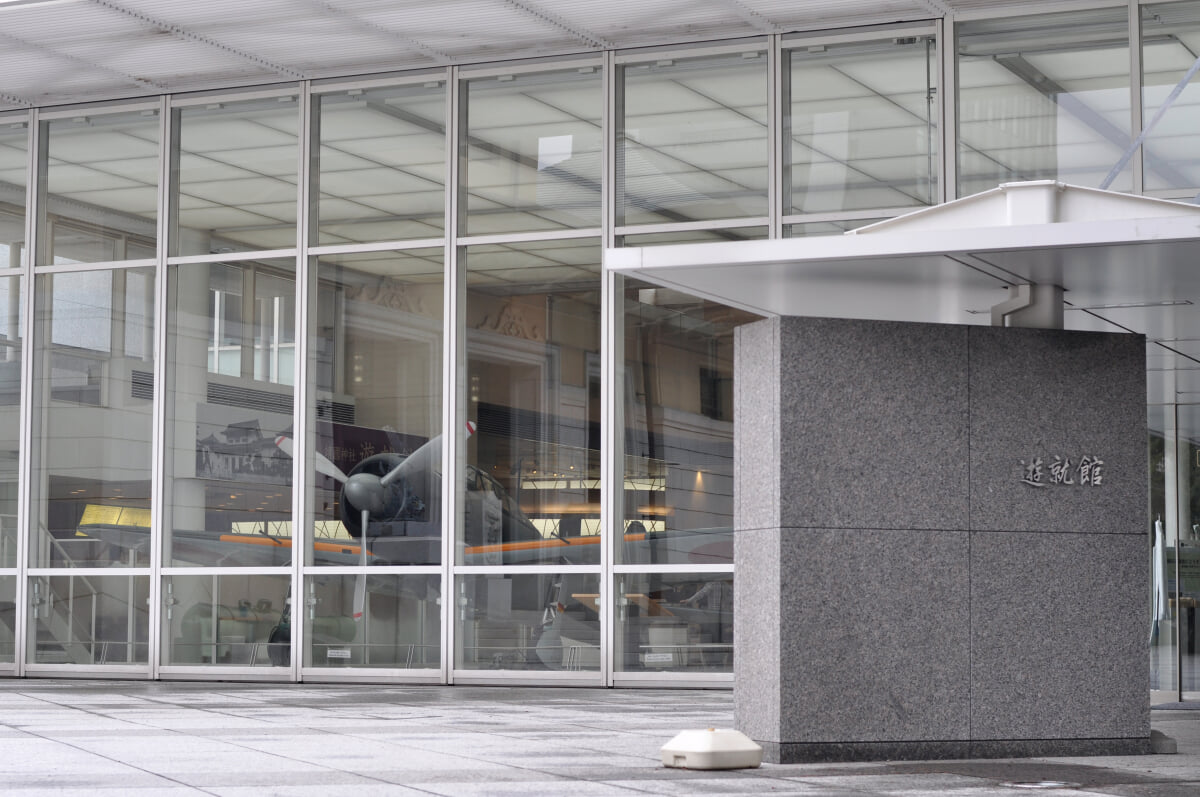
{"points": [[324, 378]]}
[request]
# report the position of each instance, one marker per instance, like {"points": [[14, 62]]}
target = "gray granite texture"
{"points": [[921, 592], [1041, 394], [1058, 636], [756, 645], [756, 393], [876, 617], [803, 753], [874, 424]]}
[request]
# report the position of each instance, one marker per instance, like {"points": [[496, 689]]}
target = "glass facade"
{"points": [[328, 381]]}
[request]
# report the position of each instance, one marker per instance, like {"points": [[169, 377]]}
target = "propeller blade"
{"points": [[360, 583], [320, 461]]}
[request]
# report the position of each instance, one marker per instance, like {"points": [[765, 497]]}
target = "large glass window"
{"points": [[381, 172], [532, 482], [14, 170], [374, 619], [89, 619], [678, 490], [1170, 47], [1044, 98], [240, 619], [94, 385], [11, 337], [235, 176], [532, 621], [863, 128], [532, 151], [692, 144], [100, 177], [674, 622], [377, 356], [229, 427]]}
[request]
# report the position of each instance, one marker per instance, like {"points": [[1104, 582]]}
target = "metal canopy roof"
{"points": [[1127, 263], [66, 51]]}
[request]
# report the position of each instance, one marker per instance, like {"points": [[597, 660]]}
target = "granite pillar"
{"points": [[941, 541]]}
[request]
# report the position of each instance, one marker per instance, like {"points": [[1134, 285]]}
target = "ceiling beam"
{"points": [[750, 16], [437, 56], [186, 35], [77, 62], [556, 21]]}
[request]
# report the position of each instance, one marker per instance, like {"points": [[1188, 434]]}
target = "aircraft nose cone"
{"points": [[364, 491]]}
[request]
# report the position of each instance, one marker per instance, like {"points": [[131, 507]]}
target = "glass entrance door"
{"points": [[1174, 544]]}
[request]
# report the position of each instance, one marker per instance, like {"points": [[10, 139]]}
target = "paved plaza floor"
{"points": [[147, 738]]}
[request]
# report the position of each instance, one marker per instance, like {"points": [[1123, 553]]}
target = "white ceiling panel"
{"points": [[69, 51]]}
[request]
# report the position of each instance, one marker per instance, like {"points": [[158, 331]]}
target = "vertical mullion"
{"points": [[451, 315], [25, 435], [947, 94], [778, 97], [1136, 78], [302, 395], [158, 436], [611, 323]]}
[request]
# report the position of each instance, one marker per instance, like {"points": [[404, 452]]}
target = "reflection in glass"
{"points": [[1175, 650], [89, 619], [8, 619], [693, 141], [678, 491], [1043, 98], [10, 414], [694, 236], [398, 621], [382, 173], [377, 367], [94, 387], [532, 152], [1163, 650], [14, 165], [1170, 44], [236, 620], [816, 228], [229, 428], [543, 621], [674, 622], [234, 176], [101, 188], [863, 125], [532, 485]]}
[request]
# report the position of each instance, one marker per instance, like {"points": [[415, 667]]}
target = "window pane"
{"points": [[1170, 38], [543, 621], [8, 619], [95, 386], [533, 152], [233, 620], [10, 414], [89, 619], [1043, 98], [382, 167], [235, 177], [863, 126], [101, 180], [400, 625], [14, 166], [675, 622], [377, 365], [533, 398], [229, 463], [678, 491], [693, 141]]}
